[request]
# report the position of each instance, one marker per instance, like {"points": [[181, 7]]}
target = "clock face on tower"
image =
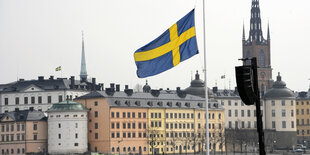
{"points": [[262, 75]]}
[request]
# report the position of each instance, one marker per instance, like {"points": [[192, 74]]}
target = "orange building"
{"points": [[23, 132], [115, 125]]}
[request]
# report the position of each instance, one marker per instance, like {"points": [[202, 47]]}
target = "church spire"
{"points": [[243, 34], [83, 73], [255, 23], [268, 33]]}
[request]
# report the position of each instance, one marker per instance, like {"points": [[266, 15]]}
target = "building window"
{"points": [[96, 125], [60, 98], [242, 113], [144, 125], [273, 103], [35, 126], [112, 135], [96, 135], [133, 115], [144, 115], [96, 113], [35, 137], [49, 99], [124, 125], [236, 113], [124, 115], [283, 112], [32, 100], [229, 124], [25, 100], [6, 101], [249, 124], [273, 124], [292, 113], [40, 99], [113, 125], [139, 115], [17, 100], [292, 124], [117, 125], [96, 103], [59, 125], [128, 115], [117, 114], [112, 114], [297, 111], [76, 144], [283, 102], [229, 113], [59, 136], [283, 124], [273, 113]]}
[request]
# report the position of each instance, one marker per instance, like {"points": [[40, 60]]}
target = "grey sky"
{"points": [[36, 36]]}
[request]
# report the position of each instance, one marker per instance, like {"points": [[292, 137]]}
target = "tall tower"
{"points": [[83, 73], [257, 46]]}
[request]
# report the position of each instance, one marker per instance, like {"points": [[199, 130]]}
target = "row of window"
{"points": [[128, 149], [303, 132], [272, 103], [303, 122], [76, 136], [273, 124], [18, 151], [242, 113], [283, 113], [128, 135], [11, 137], [302, 103], [67, 116], [7, 127], [158, 115], [302, 111], [129, 115], [126, 125], [32, 100]]}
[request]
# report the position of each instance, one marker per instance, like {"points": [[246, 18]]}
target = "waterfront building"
{"points": [[67, 128], [158, 121], [303, 118], [23, 132]]}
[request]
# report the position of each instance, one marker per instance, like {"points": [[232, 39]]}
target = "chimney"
{"points": [[214, 89], [126, 87], [117, 87], [178, 88], [51, 77], [102, 86], [41, 78], [72, 85], [93, 85]]}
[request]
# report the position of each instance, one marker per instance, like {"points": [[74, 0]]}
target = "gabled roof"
{"points": [[24, 115]]}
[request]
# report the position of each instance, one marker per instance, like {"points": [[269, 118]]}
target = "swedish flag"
{"points": [[175, 45], [58, 68]]}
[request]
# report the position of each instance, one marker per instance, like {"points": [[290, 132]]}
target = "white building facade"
{"points": [[41, 94], [67, 128]]}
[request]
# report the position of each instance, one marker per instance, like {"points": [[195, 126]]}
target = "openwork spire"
{"points": [[255, 23], [83, 73]]}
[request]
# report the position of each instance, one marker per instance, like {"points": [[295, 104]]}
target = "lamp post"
{"points": [[303, 137]]}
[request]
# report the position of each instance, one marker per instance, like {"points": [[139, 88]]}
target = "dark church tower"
{"points": [[257, 46]]}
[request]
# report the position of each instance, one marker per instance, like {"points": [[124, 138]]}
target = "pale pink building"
{"points": [[23, 132]]}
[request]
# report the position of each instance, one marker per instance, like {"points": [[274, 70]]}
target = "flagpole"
{"points": [[205, 78]]}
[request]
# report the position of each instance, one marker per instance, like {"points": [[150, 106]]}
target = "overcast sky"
{"points": [[36, 36]]}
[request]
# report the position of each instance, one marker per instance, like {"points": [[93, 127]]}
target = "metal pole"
{"points": [[258, 111], [205, 78]]}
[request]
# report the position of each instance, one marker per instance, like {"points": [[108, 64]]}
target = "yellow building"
{"points": [[303, 118]]}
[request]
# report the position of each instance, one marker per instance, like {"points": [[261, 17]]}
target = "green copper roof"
{"points": [[67, 106]]}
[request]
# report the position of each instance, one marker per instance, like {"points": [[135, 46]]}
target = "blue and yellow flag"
{"points": [[175, 45], [58, 68]]}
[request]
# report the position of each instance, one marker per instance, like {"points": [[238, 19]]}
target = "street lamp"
{"points": [[303, 137]]}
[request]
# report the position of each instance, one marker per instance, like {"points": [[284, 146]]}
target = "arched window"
{"points": [[261, 60]]}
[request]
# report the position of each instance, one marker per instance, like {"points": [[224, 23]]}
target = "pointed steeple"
{"points": [[268, 33], [83, 73], [255, 23], [243, 33]]}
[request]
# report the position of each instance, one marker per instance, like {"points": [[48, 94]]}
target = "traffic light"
{"points": [[245, 84]]}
